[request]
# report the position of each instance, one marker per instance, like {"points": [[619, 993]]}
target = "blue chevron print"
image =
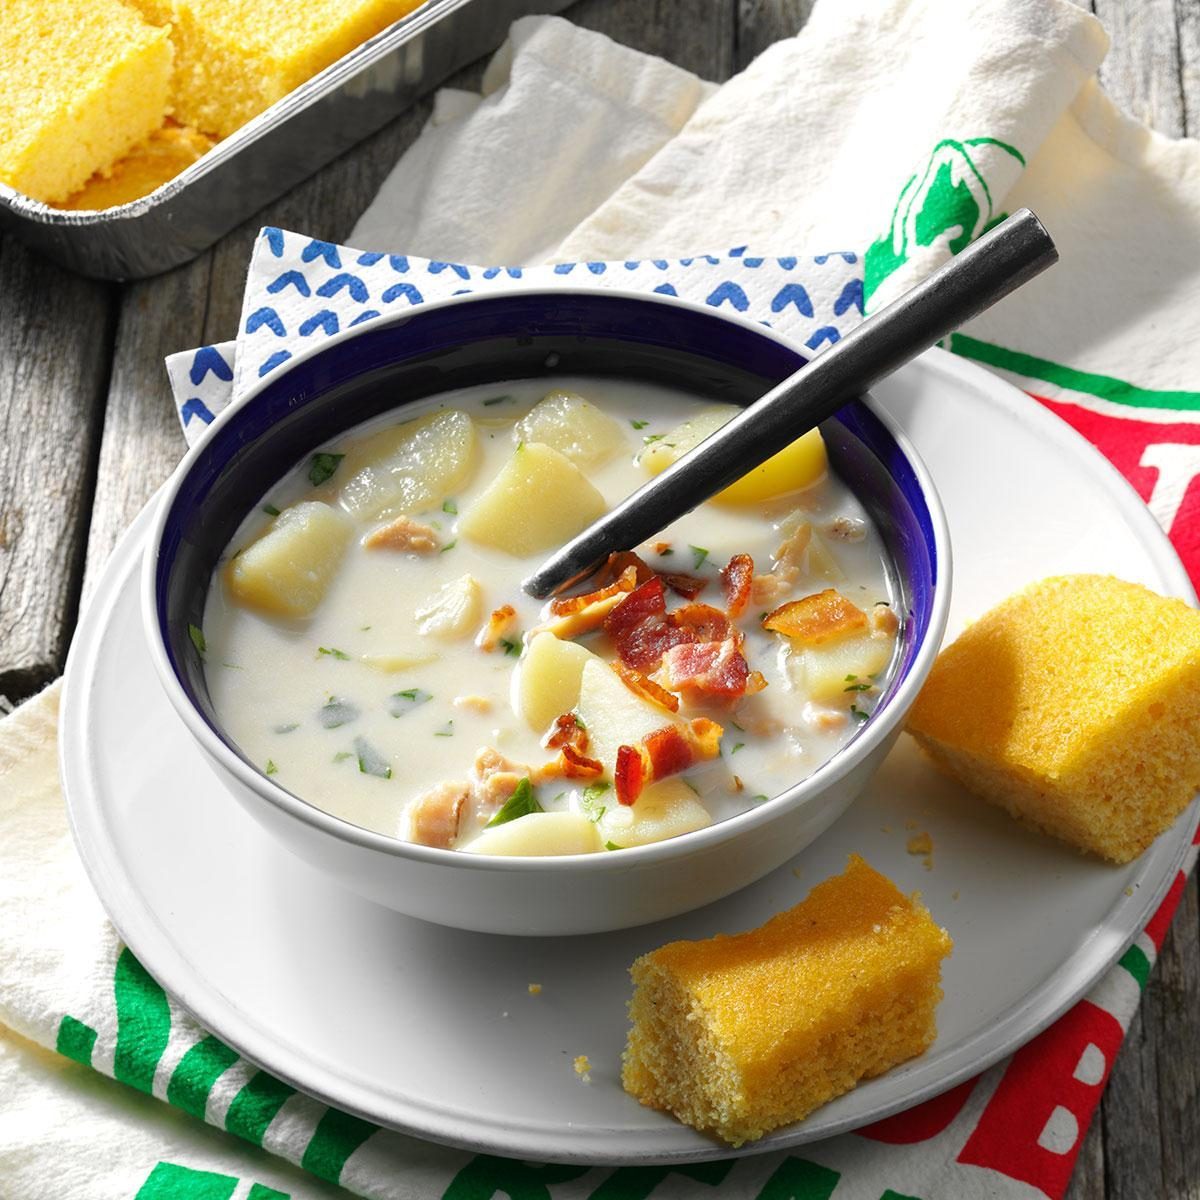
{"points": [[299, 291]]}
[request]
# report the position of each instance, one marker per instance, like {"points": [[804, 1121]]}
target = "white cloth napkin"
{"points": [[874, 144]]}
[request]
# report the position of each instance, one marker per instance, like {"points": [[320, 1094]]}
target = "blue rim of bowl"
{"points": [[207, 459]]}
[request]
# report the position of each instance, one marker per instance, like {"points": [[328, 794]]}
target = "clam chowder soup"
{"points": [[367, 642]]}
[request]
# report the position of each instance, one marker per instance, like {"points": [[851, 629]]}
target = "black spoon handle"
{"points": [[986, 271]]}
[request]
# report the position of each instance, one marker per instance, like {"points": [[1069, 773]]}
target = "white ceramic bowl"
{"points": [[493, 338]]}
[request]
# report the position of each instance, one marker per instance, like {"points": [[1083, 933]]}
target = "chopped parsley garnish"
{"points": [[336, 713], [286, 728], [448, 506], [511, 647], [666, 553], [737, 747], [653, 437], [342, 755], [759, 799], [612, 846], [333, 652], [271, 768], [448, 546], [447, 732], [851, 678], [322, 466], [520, 804], [270, 510], [592, 808], [699, 554], [197, 636], [496, 400], [857, 713], [400, 703], [370, 761], [639, 424], [579, 721], [857, 687], [736, 726]]}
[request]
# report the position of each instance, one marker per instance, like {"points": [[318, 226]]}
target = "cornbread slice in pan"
{"points": [[738, 1035], [233, 58], [147, 166], [1075, 705], [81, 87]]}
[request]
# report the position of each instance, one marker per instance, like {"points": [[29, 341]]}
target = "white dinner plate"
{"points": [[434, 1032]]}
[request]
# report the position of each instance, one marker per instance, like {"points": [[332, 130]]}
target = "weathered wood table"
{"points": [[87, 434]]}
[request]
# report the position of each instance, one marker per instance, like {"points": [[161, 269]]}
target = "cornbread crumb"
{"points": [[583, 1067], [535, 989], [1074, 706], [739, 1035], [233, 59], [919, 843], [80, 89], [1129, 891]]}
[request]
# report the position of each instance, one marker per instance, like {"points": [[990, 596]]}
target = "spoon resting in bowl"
{"points": [[986, 271]]}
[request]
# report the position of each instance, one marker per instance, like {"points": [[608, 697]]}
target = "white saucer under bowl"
{"points": [[434, 1032]]}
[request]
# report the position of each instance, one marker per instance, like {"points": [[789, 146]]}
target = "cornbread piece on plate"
{"points": [[739, 1035], [1075, 705], [81, 87], [233, 58]]}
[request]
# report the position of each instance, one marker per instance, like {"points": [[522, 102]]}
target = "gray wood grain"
{"points": [[761, 22], [55, 347], [695, 34], [1142, 70]]}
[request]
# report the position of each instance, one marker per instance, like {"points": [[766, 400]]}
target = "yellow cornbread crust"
{"points": [[78, 93], [234, 58], [740, 1034], [1075, 706]]}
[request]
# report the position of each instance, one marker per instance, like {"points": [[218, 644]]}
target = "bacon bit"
{"points": [[434, 816], [755, 683], [884, 620], [479, 704], [736, 579], [687, 586], [645, 687], [577, 765], [639, 627], [663, 752], [702, 621], [735, 784], [625, 582], [620, 562], [403, 534], [661, 547], [817, 619], [566, 731], [629, 775], [573, 616], [707, 672], [498, 624]]}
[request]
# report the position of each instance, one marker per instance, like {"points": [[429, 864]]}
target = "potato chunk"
{"points": [[407, 467], [285, 573], [837, 672], [797, 466], [549, 679], [539, 835], [664, 810], [613, 715], [573, 427], [453, 611], [539, 500]]}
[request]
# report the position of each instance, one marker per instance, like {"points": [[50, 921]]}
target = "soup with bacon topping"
{"points": [[367, 643]]}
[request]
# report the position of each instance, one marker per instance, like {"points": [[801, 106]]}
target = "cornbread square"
{"points": [[233, 58], [739, 1035], [147, 166], [81, 87], [1075, 705]]}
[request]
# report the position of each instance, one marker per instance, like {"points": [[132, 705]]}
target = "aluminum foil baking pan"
{"points": [[283, 145]]}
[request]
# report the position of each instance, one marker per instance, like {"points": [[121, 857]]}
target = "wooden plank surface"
{"points": [[84, 410], [55, 350]]}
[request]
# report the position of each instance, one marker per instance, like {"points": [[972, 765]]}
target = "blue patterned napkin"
{"points": [[300, 290]]}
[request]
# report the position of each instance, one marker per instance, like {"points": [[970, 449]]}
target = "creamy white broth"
{"points": [[329, 703]]}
